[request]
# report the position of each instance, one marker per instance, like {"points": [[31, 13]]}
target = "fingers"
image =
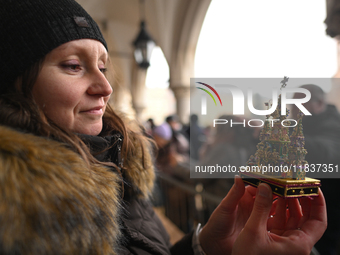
{"points": [[222, 221], [278, 222], [262, 206], [273, 209], [314, 221], [230, 202], [295, 213], [318, 207], [285, 219], [251, 190]]}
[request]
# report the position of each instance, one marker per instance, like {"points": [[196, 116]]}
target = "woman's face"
{"points": [[71, 87]]}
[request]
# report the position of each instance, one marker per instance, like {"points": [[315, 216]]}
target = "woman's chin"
{"points": [[92, 129]]}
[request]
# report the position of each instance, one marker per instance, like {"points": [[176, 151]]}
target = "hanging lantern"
{"points": [[144, 45]]}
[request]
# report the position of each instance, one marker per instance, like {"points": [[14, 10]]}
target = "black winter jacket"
{"points": [[143, 232]]}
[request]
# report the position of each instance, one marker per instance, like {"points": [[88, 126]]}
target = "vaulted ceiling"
{"points": [[174, 25]]}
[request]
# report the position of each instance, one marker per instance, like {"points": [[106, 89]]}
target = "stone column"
{"points": [[182, 95], [138, 90]]}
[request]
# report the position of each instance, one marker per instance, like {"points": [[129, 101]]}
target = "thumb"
{"points": [[229, 204], [262, 205]]}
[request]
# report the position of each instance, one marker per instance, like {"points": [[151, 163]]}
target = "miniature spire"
{"points": [[277, 148], [284, 82]]}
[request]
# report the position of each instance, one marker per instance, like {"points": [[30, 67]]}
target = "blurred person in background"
{"points": [[196, 136], [179, 138], [322, 142], [168, 159], [227, 146], [149, 126]]}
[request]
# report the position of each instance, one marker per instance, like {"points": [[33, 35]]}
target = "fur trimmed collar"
{"points": [[52, 201], [138, 172]]}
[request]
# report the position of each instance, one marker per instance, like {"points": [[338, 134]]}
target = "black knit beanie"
{"points": [[29, 29]]}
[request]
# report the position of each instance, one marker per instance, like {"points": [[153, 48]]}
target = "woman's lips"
{"points": [[95, 110]]}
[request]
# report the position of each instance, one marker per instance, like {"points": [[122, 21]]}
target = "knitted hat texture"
{"points": [[29, 29]]}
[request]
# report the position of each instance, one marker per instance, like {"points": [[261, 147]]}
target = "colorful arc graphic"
{"points": [[209, 92]]}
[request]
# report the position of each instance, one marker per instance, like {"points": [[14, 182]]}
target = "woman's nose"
{"points": [[99, 85]]}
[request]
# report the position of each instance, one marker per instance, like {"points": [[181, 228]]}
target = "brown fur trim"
{"points": [[140, 168], [139, 163], [51, 202]]}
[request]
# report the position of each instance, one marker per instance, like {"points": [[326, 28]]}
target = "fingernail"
{"points": [[263, 190], [235, 180]]}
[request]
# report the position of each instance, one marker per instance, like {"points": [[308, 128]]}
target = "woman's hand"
{"points": [[289, 231], [228, 219], [241, 222]]}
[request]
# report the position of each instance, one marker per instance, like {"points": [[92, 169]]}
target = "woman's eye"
{"points": [[75, 67], [103, 70], [72, 67]]}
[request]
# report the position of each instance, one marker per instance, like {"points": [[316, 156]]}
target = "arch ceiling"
{"points": [[175, 26]]}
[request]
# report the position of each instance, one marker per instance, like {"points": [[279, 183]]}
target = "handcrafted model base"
{"points": [[285, 187]]}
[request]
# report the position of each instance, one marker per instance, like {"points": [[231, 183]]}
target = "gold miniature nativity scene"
{"points": [[279, 160]]}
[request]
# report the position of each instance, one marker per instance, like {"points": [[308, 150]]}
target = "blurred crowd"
{"points": [[179, 145]]}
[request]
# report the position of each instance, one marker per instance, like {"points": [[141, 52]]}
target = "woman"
{"points": [[75, 179]]}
